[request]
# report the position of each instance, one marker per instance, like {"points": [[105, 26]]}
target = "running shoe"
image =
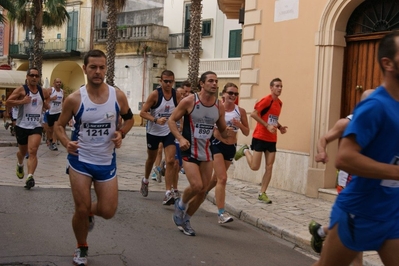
{"points": [[176, 194], [153, 176], [158, 174], [178, 215], [6, 125], [224, 218], [182, 171], [240, 152], [317, 241], [187, 229], [169, 199], [20, 171], [53, 147], [264, 198], [27, 155], [91, 222], [80, 256], [144, 188], [163, 168], [30, 182]]}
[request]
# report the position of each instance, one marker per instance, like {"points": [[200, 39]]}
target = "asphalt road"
{"points": [[35, 229]]}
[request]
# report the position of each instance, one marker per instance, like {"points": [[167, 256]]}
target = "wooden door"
{"points": [[361, 69]]}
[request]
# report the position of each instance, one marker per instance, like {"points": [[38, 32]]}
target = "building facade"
{"points": [[324, 51], [63, 47], [220, 45]]}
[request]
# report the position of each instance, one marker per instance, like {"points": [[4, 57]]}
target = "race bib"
{"points": [[272, 120], [391, 183], [203, 131], [96, 132]]}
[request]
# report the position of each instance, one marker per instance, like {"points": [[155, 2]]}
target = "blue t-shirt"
{"points": [[375, 125]]}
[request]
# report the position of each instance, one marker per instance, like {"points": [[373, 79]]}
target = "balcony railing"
{"points": [[135, 32], [179, 41], [223, 67], [52, 45]]}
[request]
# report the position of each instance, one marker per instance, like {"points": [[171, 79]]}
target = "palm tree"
{"points": [[7, 5], [113, 7], [195, 42], [37, 14]]}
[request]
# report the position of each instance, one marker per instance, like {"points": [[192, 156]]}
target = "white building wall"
{"points": [[215, 46]]}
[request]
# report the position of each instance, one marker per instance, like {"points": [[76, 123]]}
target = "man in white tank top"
{"points": [[55, 101], [30, 98], [201, 112], [156, 110], [96, 108]]}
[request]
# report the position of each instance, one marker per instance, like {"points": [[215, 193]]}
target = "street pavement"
{"points": [[287, 217]]}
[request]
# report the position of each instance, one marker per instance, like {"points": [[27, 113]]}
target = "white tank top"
{"points": [[96, 125], [56, 105], [30, 114], [14, 112], [198, 129], [229, 116], [165, 109]]}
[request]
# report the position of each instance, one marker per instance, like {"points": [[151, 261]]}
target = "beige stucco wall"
{"points": [[307, 54]]}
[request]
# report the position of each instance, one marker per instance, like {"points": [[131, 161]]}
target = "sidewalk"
{"points": [[287, 217]]}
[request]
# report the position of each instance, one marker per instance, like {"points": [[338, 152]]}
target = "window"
{"points": [[235, 43], [206, 28]]}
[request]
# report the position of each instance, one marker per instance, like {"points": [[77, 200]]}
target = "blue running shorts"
{"points": [[100, 173], [361, 234]]}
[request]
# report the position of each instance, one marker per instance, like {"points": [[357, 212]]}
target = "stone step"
{"points": [[329, 194]]}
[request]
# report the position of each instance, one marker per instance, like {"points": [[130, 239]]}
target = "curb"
{"points": [[8, 144]]}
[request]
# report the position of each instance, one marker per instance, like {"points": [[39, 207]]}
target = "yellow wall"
{"points": [[307, 53]]}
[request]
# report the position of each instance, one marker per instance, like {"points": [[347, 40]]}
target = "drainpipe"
{"points": [[144, 72]]}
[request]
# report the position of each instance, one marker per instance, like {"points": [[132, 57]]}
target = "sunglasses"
{"points": [[232, 93], [33, 75], [168, 81]]}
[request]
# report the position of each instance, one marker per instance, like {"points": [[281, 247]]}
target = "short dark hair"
{"points": [[387, 47], [167, 73], [274, 80], [205, 74], [186, 83], [93, 53], [34, 68], [228, 85]]}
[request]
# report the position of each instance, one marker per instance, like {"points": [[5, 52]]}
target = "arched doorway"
{"points": [[71, 74], [368, 23], [329, 97]]}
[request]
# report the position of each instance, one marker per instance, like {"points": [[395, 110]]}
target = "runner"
{"points": [[96, 108], [201, 112], [31, 100], [223, 150]]}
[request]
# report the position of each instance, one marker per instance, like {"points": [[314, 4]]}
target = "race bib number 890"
{"points": [[202, 131]]}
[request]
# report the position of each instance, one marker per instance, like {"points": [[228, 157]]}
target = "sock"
{"points": [[145, 180], [29, 175], [167, 192], [182, 205], [82, 245], [221, 211], [244, 151], [20, 164], [320, 232], [187, 217]]}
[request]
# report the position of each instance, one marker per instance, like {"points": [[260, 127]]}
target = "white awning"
{"points": [[12, 78]]}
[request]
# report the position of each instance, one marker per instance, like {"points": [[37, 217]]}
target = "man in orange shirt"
{"points": [[266, 113]]}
